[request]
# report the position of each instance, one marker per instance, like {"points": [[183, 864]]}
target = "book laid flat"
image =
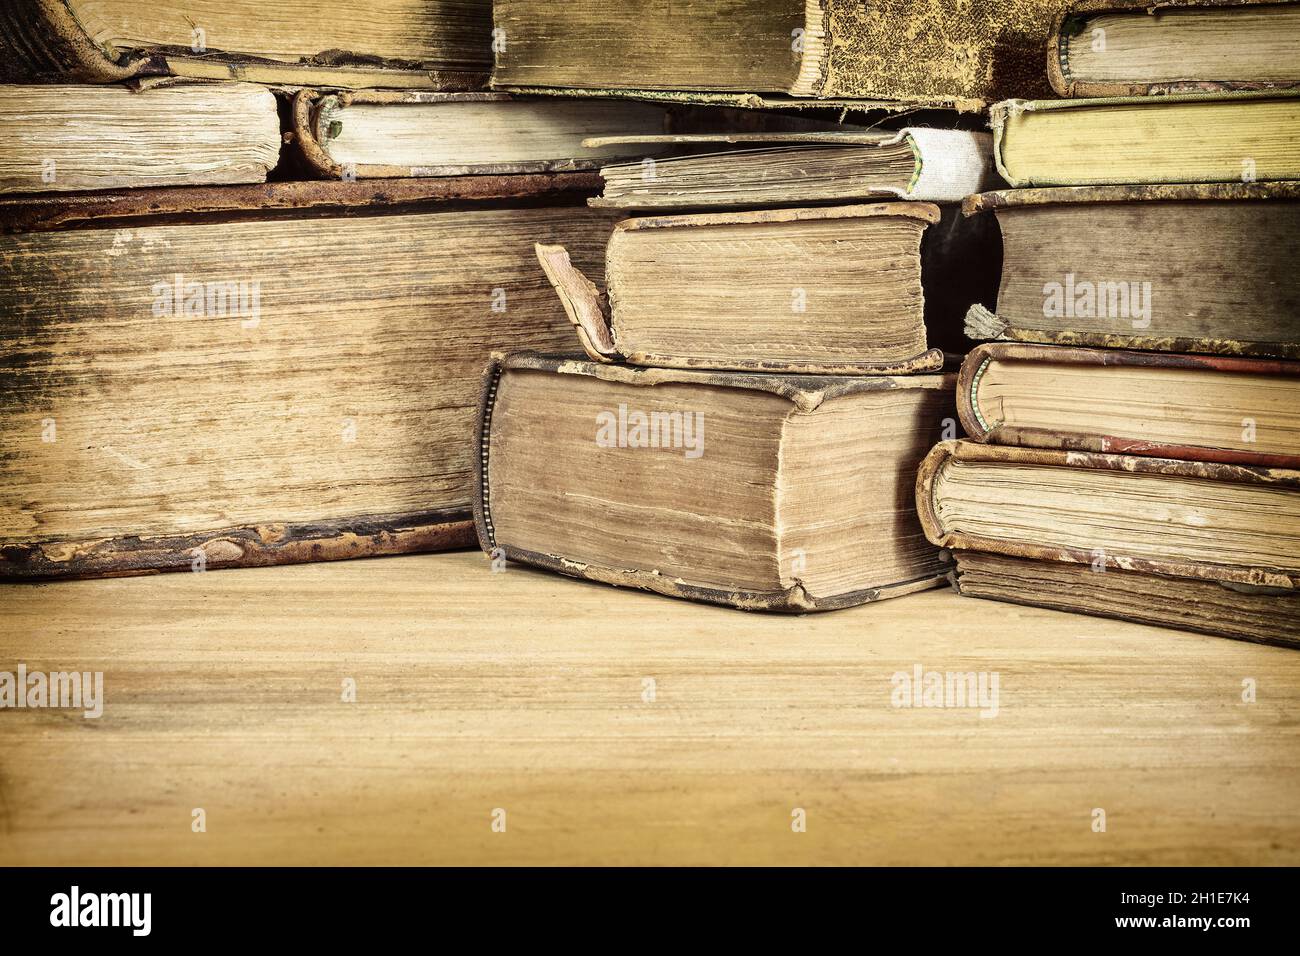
{"points": [[1189, 519], [430, 44], [763, 492], [1264, 615], [791, 169], [1162, 405], [1179, 138], [61, 138], [204, 390], [1146, 47], [915, 50], [827, 290], [1197, 268], [387, 133]]}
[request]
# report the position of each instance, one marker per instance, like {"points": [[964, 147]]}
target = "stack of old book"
{"points": [[253, 266], [758, 385], [1135, 422]]}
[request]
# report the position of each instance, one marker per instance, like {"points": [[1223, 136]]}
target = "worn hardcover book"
{"points": [[388, 133], [792, 169], [62, 138], [1155, 47], [1189, 519], [1236, 137], [280, 379], [1264, 615], [1162, 405], [429, 44], [833, 290], [1200, 268], [916, 50], [763, 492]]}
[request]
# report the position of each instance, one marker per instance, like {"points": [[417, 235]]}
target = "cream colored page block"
{"points": [[89, 137], [351, 389]]}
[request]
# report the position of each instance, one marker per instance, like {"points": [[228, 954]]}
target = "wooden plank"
{"points": [[524, 691]]}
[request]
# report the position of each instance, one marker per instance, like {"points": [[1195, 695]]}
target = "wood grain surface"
{"points": [[526, 692]]}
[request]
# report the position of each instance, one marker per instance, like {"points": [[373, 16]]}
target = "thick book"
{"points": [[826, 290], [1198, 268], [1236, 137], [426, 44], [1156, 47], [763, 492], [61, 138], [1263, 615], [283, 378], [392, 133], [915, 50], [1161, 405], [792, 169], [1205, 520]]}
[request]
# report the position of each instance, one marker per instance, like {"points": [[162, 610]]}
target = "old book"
{"points": [[62, 138], [1188, 519], [387, 133], [265, 383], [832, 290], [792, 169], [1264, 615], [915, 50], [764, 492], [1208, 268], [429, 44], [1199, 407], [1145, 47], [1184, 138]]}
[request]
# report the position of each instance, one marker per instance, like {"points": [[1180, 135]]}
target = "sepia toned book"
{"points": [[61, 138], [911, 50], [1156, 47], [792, 169], [389, 133], [1204, 520], [428, 44], [1234, 137], [1161, 405], [207, 378], [824, 290], [762, 492], [1263, 615], [1181, 268]]}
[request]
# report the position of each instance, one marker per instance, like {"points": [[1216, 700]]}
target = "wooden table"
{"points": [[525, 692]]}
